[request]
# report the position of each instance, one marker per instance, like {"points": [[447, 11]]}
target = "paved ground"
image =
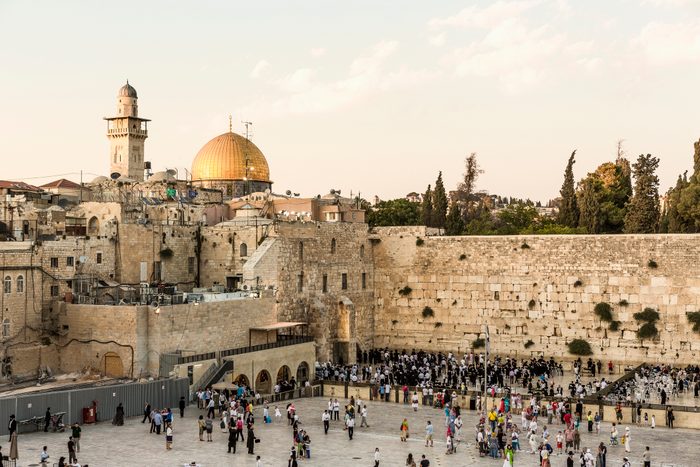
{"points": [[104, 445]]}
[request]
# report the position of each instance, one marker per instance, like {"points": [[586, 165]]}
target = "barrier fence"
{"points": [[159, 393]]}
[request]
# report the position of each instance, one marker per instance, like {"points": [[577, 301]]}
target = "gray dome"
{"points": [[127, 91]]}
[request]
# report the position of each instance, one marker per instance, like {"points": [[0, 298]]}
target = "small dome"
{"points": [[224, 158], [100, 179], [127, 91]]}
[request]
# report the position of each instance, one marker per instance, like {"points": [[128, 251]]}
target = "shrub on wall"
{"points": [[478, 343], [406, 290], [652, 264], [623, 302], [578, 283], [428, 312], [529, 344], [525, 246], [438, 324], [166, 253], [694, 319], [603, 311], [647, 331], [614, 325], [419, 242], [649, 315], [462, 257], [580, 347]]}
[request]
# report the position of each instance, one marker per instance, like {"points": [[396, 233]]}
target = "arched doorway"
{"points": [[113, 365], [302, 373], [263, 382], [284, 374], [242, 380]]}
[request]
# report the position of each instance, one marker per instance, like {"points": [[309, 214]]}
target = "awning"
{"points": [[279, 325]]}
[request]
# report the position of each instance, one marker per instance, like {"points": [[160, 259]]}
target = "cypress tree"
{"points": [[439, 203], [427, 208], [589, 205], [454, 225], [643, 210], [568, 210]]}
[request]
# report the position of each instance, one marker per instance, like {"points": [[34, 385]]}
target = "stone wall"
{"points": [[189, 328], [538, 288], [337, 315]]}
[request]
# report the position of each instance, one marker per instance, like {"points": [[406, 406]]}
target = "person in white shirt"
{"points": [[376, 457], [325, 418], [363, 414], [350, 423]]}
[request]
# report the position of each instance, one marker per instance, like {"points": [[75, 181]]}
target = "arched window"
{"points": [[362, 251], [244, 250], [301, 251], [8, 284], [6, 328], [20, 284], [333, 246], [93, 227]]}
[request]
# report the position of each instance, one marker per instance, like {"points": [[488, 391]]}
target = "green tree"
{"points": [[427, 208], [568, 210], [393, 212], [589, 204], [516, 218], [454, 224], [643, 209], [467, 187], [439, 203]]}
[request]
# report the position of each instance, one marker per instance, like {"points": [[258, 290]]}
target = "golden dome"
{"points": [[224, 158]]}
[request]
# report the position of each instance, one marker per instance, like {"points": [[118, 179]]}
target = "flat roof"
{"points": [[279, 325]]}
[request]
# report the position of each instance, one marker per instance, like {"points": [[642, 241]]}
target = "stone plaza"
{"points": [[105, 445]]}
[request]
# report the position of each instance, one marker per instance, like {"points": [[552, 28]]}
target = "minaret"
{"points": [[127, 134]]}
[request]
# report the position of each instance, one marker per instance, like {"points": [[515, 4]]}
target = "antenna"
{"points": [[247, 129]]}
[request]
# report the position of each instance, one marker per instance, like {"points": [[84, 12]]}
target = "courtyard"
{"points": [[105, 445]]}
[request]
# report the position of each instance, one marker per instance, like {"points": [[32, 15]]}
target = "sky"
{"points": [[370, 97]]}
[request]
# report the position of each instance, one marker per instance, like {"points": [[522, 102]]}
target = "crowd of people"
{"points": [[659, 384]]}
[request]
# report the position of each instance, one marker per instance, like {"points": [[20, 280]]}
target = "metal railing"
{"points": [[206, 376], [271, 345]]}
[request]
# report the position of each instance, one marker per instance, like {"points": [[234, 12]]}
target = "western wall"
{"points": [[536, 288]]}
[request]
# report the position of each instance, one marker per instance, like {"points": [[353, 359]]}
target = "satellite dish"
{"points": [[288, 192], [296, 194], [332, 191], [318, 196], [172, 172], [115, 175]]}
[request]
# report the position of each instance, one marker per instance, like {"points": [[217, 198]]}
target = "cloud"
{"points": [[667, 44], [259, 69], [318, 52], [513, 49], [437, 40], [303, 92], [484, 17]]}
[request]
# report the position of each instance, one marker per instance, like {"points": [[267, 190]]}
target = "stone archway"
{"points": [[93, 227], [302, 373], [284, 373], [113, 365], [242, 380], [263, 382]]}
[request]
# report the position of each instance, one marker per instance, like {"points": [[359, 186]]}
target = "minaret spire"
{"points": [[230, 123]]}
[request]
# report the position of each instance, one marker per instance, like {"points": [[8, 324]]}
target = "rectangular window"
{"points": [[344, 281], [99, 258], [156, 271], [300, 283], [70, 261], [324, 285], [54, 291], [54, 262], [364, 280], [190, 265]]}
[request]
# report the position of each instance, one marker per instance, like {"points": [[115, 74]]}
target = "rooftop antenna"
{"points": [[247, 129]]}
